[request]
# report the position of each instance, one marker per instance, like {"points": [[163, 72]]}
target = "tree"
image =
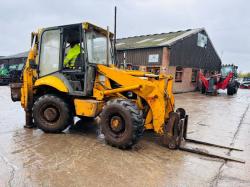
{"points": [[242, 75]]}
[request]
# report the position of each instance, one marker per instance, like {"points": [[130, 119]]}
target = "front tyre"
{"points": [[51, 114], [231, 89], [122, 123]]}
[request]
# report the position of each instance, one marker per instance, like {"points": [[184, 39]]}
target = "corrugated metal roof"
{"points": [[154, 40], [19, 55]]}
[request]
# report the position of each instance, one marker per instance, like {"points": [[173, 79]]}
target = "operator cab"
{"points": [[226, 69], [71, 52]]}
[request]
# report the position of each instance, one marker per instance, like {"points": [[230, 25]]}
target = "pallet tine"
{"points": [[206, 153], [213, 145]]}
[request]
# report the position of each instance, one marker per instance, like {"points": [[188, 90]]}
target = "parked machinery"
{"points": [[10, 73], [225, 80], [127, 101], [4, 74], [245, 84]]}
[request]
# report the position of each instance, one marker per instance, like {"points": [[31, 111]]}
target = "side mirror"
{"points": [[33, 64]]}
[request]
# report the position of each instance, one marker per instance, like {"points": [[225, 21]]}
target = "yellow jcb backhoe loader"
{"points": [[127, 101]]}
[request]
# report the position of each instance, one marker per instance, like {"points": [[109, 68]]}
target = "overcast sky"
{"points": [[226, 21]]}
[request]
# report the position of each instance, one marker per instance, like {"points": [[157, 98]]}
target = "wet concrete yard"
{"points": [[79, 158]]}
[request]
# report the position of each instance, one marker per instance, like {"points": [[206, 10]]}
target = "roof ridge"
{"points": [[158, 33], [17, 55]]}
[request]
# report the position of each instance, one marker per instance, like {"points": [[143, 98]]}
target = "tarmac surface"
{"points": [[79, 158]]}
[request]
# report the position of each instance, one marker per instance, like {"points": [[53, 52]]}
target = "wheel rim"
{"points": [[117, 124], [50, 114]]}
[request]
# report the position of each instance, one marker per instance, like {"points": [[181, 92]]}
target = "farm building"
{"points": [[14, 59], [182, 54]]}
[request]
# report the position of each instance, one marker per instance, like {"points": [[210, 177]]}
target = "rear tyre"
{"points": [[52, 114], [230, 89], [122, 123], [203, 89], [236, 86], [235, 90]]}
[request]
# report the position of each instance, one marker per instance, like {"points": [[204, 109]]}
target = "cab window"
{"points": [[49, 52], [72, 48], [97, 48]]}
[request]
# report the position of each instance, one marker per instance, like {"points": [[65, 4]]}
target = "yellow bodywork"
{"points": [[89, 108], [155, 90], [53, 82], [157, 93], [28, 77]]}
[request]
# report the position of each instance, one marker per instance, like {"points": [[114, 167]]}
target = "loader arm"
{"points": [[223, 85], [172, 126], [203, 80], [29, 73], [155, 92]]}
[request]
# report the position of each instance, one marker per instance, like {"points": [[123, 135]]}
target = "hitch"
{"points": [[175, 137]]}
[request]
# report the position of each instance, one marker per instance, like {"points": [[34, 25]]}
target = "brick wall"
{"points": [[186, 85]]}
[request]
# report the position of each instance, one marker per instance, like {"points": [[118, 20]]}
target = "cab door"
{"points": [[72, 34], [50, 52], [54, 45]]}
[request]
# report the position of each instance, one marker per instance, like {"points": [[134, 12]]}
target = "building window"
{"points": [[194, 75], [135, 68], [154, 70], [131, 67], [178, 74]]}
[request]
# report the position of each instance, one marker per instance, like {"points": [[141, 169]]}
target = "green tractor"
{"points": [[4, 74], [10, 73]]}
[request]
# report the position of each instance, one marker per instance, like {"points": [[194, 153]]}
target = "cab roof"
{"points": [[85, 25]]}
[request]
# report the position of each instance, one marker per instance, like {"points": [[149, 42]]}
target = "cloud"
{"points": [[226, 21]]}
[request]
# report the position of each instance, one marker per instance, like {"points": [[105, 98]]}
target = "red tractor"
{"points": [[225, 80]]}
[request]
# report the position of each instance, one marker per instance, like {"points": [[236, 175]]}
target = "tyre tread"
{"points": [[56, 99], [137, 118]]}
